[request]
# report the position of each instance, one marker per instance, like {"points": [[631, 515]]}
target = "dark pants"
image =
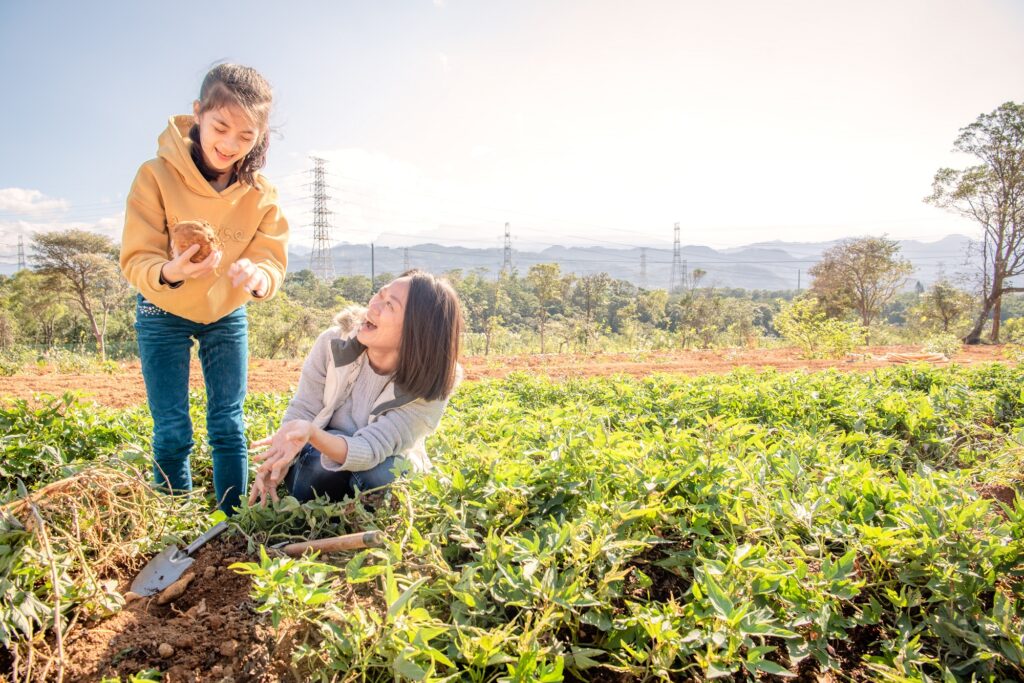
{"points": [[306, 479], [165, 345]]}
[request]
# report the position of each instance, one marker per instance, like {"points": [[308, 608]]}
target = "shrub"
{"points": [[803, 324], [945, 343]]}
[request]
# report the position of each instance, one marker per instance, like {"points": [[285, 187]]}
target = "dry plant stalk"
{"points": [[94, 523]]}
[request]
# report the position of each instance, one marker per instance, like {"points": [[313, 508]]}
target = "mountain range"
{"points": [[772, 265]]}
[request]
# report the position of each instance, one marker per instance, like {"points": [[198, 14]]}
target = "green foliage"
{"points": [[282, 328], [1013, 330], [12, 360], [288, 588], [804, 325], [859, 275], [671, 528], [945, 343], [50, 438], [943, 309]]}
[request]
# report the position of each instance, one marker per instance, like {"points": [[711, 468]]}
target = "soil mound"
{"points": [[211, 633]]}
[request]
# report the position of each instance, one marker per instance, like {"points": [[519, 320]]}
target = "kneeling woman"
{"points": [[371, 390]]}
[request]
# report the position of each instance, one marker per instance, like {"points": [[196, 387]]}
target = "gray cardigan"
{"points": [[398, 424]]}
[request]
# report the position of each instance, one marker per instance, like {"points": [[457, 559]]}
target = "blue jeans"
{"points": [[306, 479], [165, 345]]}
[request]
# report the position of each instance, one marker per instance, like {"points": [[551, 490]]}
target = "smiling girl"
{"points": [[207, 168]]}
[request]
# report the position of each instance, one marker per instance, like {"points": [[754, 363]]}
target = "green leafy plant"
{"points": [[803, 324], [945, 343]]}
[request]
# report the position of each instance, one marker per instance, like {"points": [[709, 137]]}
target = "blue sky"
{"points": [[577, 122]]}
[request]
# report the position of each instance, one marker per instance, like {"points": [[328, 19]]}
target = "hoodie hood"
{"points": [[349, 319], [175, 147]]}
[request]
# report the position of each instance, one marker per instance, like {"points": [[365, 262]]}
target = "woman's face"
{"points": [[382, 329], [227, 135]]}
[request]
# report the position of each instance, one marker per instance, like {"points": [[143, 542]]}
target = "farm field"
{"points": [[125, 388], [753, 525]]}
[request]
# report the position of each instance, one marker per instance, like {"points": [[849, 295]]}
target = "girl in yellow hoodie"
{"points": [[207, 168]]}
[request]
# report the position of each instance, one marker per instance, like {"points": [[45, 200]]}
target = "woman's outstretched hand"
{"points": [[282, 447]]}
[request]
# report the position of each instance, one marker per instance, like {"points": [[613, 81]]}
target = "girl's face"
{"points": [[226, 134], [382, 329]]}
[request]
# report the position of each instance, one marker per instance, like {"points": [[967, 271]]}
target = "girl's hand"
{"points": [[181, 268], [244, 273], [284, 445]]}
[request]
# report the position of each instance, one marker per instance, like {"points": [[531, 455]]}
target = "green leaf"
{"points": [[770, 667], [719, 600], [396, 607]]}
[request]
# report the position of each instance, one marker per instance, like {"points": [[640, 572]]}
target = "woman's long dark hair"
{"points": [[431, 335], [243, 87]]}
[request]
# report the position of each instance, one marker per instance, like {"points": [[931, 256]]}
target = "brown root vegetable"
{"points": [[187, 233], [175, 590]]}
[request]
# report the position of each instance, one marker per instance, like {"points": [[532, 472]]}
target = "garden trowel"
{"points": [[171, 563]]}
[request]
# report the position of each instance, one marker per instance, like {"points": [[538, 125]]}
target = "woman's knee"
{"points": [[307, 479], [382, 475]]}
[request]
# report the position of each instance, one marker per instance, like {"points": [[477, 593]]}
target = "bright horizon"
{"points": [[579, 123]]}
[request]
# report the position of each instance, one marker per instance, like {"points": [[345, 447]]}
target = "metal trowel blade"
{"points": [[161, 572]]}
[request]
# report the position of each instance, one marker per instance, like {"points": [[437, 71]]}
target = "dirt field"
{"points": [[125, 388]]}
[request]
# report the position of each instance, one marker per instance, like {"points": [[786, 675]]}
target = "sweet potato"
{"points": [[187, 233]]}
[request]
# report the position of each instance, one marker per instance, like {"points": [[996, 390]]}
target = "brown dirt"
{"points": [[125, 388], [999, 494], [215, 633]]}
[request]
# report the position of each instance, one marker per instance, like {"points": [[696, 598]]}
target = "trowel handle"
{"points": [[362, 539], [215, 531]]}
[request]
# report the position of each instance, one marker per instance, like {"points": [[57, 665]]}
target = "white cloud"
{"points": [[10, 231], [29, 202], [445, 62]]}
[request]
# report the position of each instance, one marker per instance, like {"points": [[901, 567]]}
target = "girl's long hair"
{"points": [[228, 85], [431, 335]]}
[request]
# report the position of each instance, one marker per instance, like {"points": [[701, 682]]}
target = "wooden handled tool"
{"points": [[361, 539]]}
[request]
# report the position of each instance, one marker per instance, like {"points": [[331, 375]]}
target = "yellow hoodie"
{"points": [[170, 189]]}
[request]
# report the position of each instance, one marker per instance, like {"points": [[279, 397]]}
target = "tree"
{"points": [[38, 315], [861, 275], [589, 295], [283, 328], [992, 194], [83, 266], [943, 307], [548, 286]]}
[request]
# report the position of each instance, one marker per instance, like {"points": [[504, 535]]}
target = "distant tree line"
{"points": [[74, 297]]}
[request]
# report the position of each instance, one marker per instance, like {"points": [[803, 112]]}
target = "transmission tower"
{"points": [[405, 254], [21, 253], [321, 261], [506, 263], [678, 269], [643, 269]]}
